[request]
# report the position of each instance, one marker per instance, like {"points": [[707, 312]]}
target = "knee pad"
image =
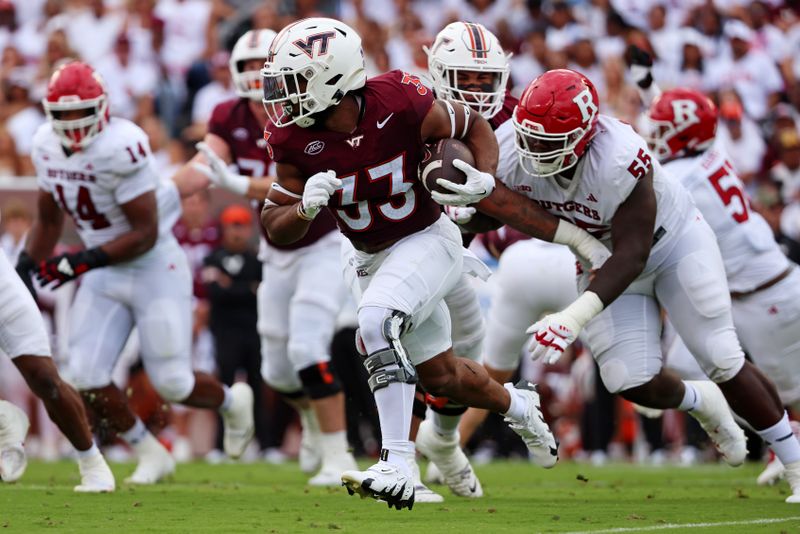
{"points": [[174, 385], [615, 376], [444, 406], [391, 326], [726, 355], [319, 381]]}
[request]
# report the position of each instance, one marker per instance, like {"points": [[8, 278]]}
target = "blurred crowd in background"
{"points": [[165, 65]]}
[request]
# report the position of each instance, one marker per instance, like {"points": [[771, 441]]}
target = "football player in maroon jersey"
{"points": [[354, 146], [301, 293]]}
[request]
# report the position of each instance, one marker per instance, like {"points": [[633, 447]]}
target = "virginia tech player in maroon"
{"points": [[301, 292], [352, 146]]}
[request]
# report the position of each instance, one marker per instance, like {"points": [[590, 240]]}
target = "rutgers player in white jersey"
{"points": [[99, 171], [764, 285], [24, 339], [595, 171], [302, 290]]}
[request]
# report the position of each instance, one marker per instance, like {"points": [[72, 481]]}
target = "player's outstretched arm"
{"points": [[293, 202], [46, 229], [142, 215], [632, 234]]}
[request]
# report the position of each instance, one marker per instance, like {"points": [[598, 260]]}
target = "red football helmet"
{"points": [[681, 121], [555, 121], [76, 87]]}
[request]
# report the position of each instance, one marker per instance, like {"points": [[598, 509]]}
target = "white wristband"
{"points": [[236, 183], [582, 242], [584, 308]]}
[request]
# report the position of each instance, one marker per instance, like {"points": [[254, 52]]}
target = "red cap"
{"points": [[236, 214]]}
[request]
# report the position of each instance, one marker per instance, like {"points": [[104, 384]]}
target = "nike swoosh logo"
{"points": [[474, 486], [382, 123]]}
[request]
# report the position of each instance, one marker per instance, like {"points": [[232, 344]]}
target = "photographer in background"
{"points": [[231, 274]]}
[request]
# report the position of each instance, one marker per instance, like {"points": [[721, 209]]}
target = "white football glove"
{"points": [[459, 214], [219, 173], [317, 192], [557, 331], [478, 186]]}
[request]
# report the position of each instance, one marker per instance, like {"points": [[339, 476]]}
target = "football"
{"points": [[438, 163]]}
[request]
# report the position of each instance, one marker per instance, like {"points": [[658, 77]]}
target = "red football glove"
{"points": [[65, 267]]}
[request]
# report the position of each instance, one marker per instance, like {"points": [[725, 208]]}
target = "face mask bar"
{"points": [[248, 84], [77, 133], [558, 156], [284, 102], [487, 103]]}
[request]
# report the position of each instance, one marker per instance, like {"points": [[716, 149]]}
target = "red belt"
{"points": [[765, 285]]}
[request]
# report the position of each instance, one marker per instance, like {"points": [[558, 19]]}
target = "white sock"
{"points": [[91, 452], [333, 444], [691, 398], [134, 434], [516, 410], [446, 425], [782, 440], [227, 401], [395, 403], [308, 420]]}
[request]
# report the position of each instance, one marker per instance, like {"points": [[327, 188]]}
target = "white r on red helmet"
{"points": [[76, 86], [554, 121]]}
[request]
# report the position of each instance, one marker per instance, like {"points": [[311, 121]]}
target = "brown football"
{"points": [[438, 163]]}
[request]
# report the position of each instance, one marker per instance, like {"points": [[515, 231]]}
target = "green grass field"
{"points": [[519, 498]]}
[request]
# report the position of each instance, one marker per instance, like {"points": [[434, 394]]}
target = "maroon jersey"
{"points": [[381, 198], [235, 123], [197, 243], [509, 103]]}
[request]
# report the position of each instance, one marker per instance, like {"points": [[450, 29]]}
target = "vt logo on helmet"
{"points": [[680, 121], [555, 121], [76, 104], [310, 66]]}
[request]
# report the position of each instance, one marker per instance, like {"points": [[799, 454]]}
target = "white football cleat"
{"points": [[772, 473], [13, 429], [453, 464], [792, 475], [155, 462], [384, 482], [96, 477], [422, 493], [532, 428], [331, 472], [716, 418], [239, 421]]}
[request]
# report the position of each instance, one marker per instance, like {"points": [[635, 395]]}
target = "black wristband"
{"points": [[96, 257]]}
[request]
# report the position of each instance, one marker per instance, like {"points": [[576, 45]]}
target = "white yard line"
{"points": [[673, 526]]}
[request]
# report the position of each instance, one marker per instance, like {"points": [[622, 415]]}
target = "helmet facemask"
{"points": [[77, 134], [487, 100], [542, 154], [247, 82]]}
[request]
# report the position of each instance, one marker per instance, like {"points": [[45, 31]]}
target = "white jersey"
{"points": [[92, 184], [749, 251], [604, 177]]}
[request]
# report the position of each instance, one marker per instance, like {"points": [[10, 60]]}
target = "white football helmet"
{"points": [[310, 66], [467, 46], [253, 45]]}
